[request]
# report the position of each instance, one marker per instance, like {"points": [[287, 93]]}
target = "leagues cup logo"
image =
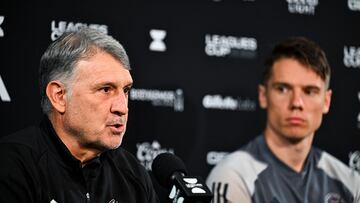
{"points": [[62, 26], [304, 7]]}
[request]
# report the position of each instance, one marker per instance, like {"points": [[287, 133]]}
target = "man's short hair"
{"points": [[61, 57], [305, 51]]}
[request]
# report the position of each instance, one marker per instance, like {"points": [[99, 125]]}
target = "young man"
{"points": [[281, 165], [74, 154]]}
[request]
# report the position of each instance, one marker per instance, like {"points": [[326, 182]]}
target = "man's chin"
{"points": [[102, 147], [295, 138], [114, 144]]}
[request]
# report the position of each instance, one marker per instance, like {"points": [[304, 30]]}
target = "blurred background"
{"points": [[196, 66]]}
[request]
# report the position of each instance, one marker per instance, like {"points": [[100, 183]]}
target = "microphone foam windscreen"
{"points": [[164, 166]]}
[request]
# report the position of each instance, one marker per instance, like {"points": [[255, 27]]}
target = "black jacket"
{"points": [[37, 167]]}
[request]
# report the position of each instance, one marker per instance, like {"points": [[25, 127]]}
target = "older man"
{"points": [[74, 154]]}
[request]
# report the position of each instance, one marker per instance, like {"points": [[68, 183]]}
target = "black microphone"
{"points": [[170, 171]]}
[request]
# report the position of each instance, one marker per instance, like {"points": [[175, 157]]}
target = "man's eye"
{"points": [[105, 89], [282, 89], [127, 90], [311, 91]]}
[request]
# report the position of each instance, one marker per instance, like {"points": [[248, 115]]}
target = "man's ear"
{"points": [[262, 96], [55, 91], [327, 101]]}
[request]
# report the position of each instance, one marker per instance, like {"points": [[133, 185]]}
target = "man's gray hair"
{"points": [[61, 57]]}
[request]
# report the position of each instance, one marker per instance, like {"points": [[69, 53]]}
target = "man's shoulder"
{"points": [[246, 160], [19, 150], [337, 170], [242, 163], [238, 171], [332, 165], [24, 138]]}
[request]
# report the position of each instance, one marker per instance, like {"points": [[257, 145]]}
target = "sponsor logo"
{"points": [[166, 98], [228, 103], [213, 157], [305, 7], [157, 36], [192, 183], [62, 26], [4, 95], [352, 57], [354, 160], [175, 195], [237, 47], [146, 152], [1, 30], [334, 198], [354, 5]]}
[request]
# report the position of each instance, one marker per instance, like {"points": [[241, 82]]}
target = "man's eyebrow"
{"points": [[312, 87], [130, 84], [274, 84], [105, 83]]}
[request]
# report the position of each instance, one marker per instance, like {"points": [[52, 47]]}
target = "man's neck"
{"points": [[292, 153], [72, 143]]}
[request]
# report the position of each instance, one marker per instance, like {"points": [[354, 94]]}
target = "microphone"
{"points": [[170, 171]]}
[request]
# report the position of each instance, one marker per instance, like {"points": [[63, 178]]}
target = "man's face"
{"points": [[295, 98], [97, 103]]}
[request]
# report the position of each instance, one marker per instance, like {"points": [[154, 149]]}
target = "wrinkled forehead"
{"points": [[101, 66]]}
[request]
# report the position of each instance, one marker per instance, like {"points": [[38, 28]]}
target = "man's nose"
{"points": [[120, 104], [297, 101]]}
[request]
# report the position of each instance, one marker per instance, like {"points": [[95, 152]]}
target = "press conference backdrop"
{"points": [[196, 66]]}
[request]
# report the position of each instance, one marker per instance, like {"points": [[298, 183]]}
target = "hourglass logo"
{"points": [[157, 44], [1, 30]]}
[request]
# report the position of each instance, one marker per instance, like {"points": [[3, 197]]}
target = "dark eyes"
{"points": [[282, 88], [127, 90], [311, 91], [105, 89], [307, 91], [108, 89]]}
